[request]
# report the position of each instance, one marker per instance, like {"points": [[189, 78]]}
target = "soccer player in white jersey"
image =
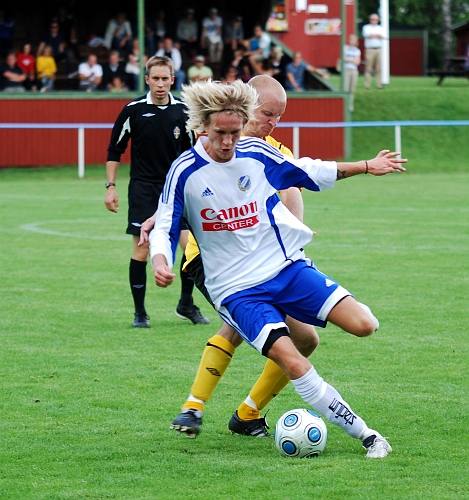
{"points": [[268, 275]]}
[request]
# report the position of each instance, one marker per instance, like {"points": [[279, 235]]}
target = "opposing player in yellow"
{"points": [[221, 347]]}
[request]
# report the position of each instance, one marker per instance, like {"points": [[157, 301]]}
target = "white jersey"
{"points": [[245, 234]]}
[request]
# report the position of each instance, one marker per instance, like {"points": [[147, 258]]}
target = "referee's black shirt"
{"points": [[158, 134]]}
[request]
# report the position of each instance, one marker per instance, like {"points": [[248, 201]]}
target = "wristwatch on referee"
{"points": [[109, 184]]}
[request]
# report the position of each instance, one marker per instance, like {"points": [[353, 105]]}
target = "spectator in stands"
{"points": [[211, 38], [199, 71], [67, 27], [169, 50], [234, 36], [114, 67], [230, 75], [56, 40], [352, 58], [27, 62], [119, 34], [241, 63], [12, 75], [373, 33], [258, 46], [155, 31], [295, 72], [161, 30], [7, 25], [118, 85], [275, 65], [187, 33], [132, 68], [90, 74], [46, 69]]}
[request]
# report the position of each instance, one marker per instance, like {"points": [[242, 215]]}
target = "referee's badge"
{"points": [[244, 183], [176, 132]]}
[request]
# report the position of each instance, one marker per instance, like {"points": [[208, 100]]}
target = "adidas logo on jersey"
{"points": [[207, 192], [329, 283]]}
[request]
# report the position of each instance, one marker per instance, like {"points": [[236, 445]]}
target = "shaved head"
{"points": [[272, 102], [267, 86]]}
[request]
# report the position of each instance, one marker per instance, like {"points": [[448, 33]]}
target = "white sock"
{"points": [[327, 401]]}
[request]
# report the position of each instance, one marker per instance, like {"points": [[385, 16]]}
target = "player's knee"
{"points": [[230, 334], [364, 327], [369, 323]]}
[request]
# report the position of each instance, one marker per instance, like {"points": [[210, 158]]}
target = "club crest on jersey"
{"points": [[176, 132], [244, 183]]}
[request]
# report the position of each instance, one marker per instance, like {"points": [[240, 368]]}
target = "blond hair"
{"points": [[160, 61], [206, 98]]}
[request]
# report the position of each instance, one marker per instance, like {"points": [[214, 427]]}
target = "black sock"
{"points": [[138, 284], [187, 286]]}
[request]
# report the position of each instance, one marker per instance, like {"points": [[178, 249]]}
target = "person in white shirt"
{"points": [[211, 38], [226, 189], [258, 46], [90, 74], [373, 33], [352, 57], [169, 50], [118, 34]]}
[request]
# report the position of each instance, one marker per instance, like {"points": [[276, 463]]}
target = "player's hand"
{"points": [[386, 163], [111, 199], [163, 275], [145, 230]]}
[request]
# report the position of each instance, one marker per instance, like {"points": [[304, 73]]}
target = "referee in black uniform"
{"points": [[156, 123]]}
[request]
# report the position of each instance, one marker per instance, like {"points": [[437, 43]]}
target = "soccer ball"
{"points": [[300, 433]]}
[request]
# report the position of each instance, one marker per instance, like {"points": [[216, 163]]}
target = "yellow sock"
{"points": [[271, 381], [215, 360]]}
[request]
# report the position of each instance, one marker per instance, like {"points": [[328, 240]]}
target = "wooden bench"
{"points": [[452, 67]]}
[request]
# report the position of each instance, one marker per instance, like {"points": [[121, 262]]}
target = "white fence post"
{"points": [[397, 139], [81, 152], [296, 142]]}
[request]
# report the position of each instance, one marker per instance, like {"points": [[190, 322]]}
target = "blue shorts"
{"points": [[300, 290]]}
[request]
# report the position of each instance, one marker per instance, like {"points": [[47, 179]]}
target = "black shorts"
{"points": [[196, 272], [143, 202]]}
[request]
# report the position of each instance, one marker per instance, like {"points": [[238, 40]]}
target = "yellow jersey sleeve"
{"points": [[270, 140]]}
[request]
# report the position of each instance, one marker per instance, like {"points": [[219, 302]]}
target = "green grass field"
{"points": [[87, 400], [431, 149]]}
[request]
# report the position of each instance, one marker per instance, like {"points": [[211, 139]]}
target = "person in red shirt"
{"points": [[27, 62]]}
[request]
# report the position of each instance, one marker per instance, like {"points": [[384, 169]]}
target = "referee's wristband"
{"points": [[109, 184]]}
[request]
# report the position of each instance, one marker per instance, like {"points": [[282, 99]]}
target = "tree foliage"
{"points": [[425, 14]]}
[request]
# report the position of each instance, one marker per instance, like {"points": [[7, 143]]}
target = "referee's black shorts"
{"points": [[196, 272], [143, 202]]}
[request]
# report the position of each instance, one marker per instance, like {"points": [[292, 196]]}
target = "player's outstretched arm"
{"points": [[162, 272], [145, 230], [384, 163]]}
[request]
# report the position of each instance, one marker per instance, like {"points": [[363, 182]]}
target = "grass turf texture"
{"points": [[87, 401]]}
